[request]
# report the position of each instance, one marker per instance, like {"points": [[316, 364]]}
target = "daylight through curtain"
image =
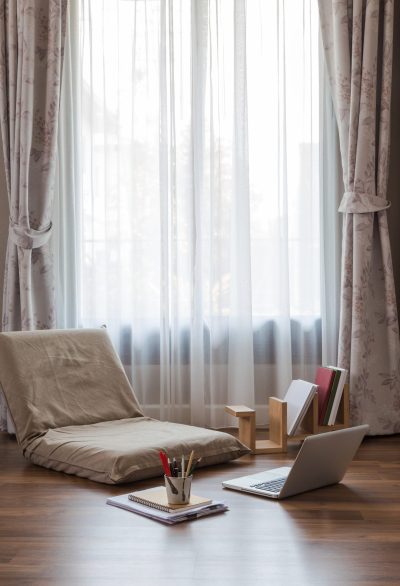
{"points": [[199, 198]]}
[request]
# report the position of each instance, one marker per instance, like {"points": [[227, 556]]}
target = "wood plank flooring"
{"points": [[56, 529]]}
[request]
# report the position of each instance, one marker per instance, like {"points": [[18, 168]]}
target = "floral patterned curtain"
{"points": [[31, 53], [358, 41], [31, 42]]}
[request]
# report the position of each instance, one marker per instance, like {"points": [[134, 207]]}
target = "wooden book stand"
{"points": [[278, 436]]}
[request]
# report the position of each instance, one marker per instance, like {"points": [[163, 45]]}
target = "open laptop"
{"points": [[322, 460]]}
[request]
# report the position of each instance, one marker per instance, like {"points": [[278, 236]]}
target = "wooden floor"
{"points": [[57, 529]]}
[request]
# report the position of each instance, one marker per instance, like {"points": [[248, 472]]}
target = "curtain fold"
{"points": [[358, 42], [31, 39]]}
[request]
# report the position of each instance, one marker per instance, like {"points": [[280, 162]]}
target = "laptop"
{"points": [[322, 460]]}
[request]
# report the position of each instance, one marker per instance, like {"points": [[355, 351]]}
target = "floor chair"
{"points": [[75, 411]]}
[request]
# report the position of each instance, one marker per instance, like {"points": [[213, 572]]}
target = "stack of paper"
{"points": [[185, 513]]}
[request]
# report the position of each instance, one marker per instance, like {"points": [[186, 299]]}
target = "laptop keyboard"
{"points": [[271, 485]]}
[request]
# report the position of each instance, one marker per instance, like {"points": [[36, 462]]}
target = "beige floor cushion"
{"points": [[128, 449], [75, 411]]}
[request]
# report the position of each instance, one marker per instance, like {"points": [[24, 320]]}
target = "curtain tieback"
{"points": [[27, 238], [355, 202]]}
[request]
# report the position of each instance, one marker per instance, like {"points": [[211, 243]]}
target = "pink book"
{"points": [[324, 379]]}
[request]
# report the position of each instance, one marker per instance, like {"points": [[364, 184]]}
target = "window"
{"points": [[199, 196]]}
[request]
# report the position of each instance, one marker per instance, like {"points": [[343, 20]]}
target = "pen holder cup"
{"points": [[178, 489]]}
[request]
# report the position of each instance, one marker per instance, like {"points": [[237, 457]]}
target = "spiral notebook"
{"points": [[170, 518], [156, 498]]}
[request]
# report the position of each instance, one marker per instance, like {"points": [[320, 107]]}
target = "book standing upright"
{"points": [[332, 412], [324, 379], [298, 399]]}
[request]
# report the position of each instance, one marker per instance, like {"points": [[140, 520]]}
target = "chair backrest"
{"points": [[56, 378]]}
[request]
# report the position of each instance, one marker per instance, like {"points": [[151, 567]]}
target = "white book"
{"points": [[123, 502], [298, 398], [338, 394]]}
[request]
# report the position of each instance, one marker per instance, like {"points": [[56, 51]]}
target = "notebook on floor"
{"points": [[322, 460]]}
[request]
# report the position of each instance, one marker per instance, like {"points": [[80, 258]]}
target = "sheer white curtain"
{"points": [[198, 189]]}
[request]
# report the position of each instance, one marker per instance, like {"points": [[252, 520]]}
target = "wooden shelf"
{"points": [[278, 436]]}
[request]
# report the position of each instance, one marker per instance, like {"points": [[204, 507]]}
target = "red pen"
{"points": [[164, 462]]}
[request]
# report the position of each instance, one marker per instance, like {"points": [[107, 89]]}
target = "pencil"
{"points": [[164, 462], [189, 463], [194, 465]]}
